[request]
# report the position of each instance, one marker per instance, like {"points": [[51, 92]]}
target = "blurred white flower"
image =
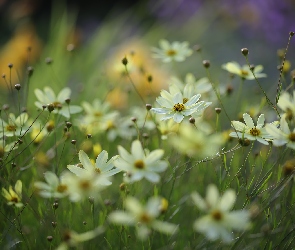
{"points": [[286, 103], [143, 217], [250, 131], [14, 197], [283, 135], [220, 221], [102, 166], [172, 52], [141, 164], [15, 126], [48, 97], [243, 71]]}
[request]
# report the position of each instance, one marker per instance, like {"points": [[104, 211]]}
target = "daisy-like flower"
{"points": [[177, 106], [14, 197], [220, 221], [250, 131], [286, 103], [143, 217], [102, 166], [167, 128], [195, 143], [243, 71], [283, 135], [15, 126], [172, 52], [199, 86], [53, 188], [48, 97], [141, 164], [72, 239]]}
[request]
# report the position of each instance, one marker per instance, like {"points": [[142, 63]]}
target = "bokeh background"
{"points": [[85, 40]]}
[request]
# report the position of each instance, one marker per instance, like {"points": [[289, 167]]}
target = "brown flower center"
{"points": [[217, 215], [145, 218], [57, 105], [139, 164], [11, 128], [62, 188], [244, 72], [292, 137], [85, 184], [178, 107], [255, 131], [171, 52]]}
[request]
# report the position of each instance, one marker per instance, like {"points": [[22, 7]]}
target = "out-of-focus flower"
{"points": [[15, 126], [53, 188], [14, 197], [250, 131], [286, 103], [143, 217], [73, 239], [6, 147], [48, 97], [102, 166], [220, 221], [195, 143], [283, 135], [141, 164], [243, 71], [200, 86], [177, 107], [167, 128], [175, 51]]}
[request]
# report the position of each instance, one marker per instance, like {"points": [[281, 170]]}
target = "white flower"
{"points": [[53, 188], [177, 106], [250, 131], [141, 164], [102, 166], [286, 102], [143, 217], [72, 239], [172, 52], [48, 97], [219, 222], [243, 71], [15, 126], [195, 143], [14, 197], [283, 135]]}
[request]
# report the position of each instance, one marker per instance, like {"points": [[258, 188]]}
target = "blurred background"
{"points": [[81, 43]]}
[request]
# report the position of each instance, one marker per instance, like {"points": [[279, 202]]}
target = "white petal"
{"points": [[248, 120], [227, 200]]}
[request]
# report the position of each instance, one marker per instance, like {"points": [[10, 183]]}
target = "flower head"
{"points": [[102, 166], [177, 106], [141, 164], [15, 126], [286, 103], [220, 221], [48, 97], [172, 52], [14, 197], [250, 131], [244, 71], [143, 217]]}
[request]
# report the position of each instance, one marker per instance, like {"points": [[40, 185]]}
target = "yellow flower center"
{"points": [[171, 52], [97, 114], [62, 188], [244, 72], [14, 199], [145, 218], [292, 137], [289, 114], [178, 107], [57, 105], [139, 164], [184, 100], [255, 131], [85, 185], [11, 128], [97, 170], [217, 215]]}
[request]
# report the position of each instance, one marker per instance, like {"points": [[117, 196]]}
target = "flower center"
{"points": [[292, 137], [10, 128], [244, 72], [97, 170], [14, 199], [289, 114], [97, 114], [57, 105], [85, 184], [171, 52], [254, 131], [139, 164], [145, 218], [62, 188], [178, 107], [184, 100], [217, 215]]}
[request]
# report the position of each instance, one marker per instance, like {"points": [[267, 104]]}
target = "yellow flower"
{"points": [[14, 196]]}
